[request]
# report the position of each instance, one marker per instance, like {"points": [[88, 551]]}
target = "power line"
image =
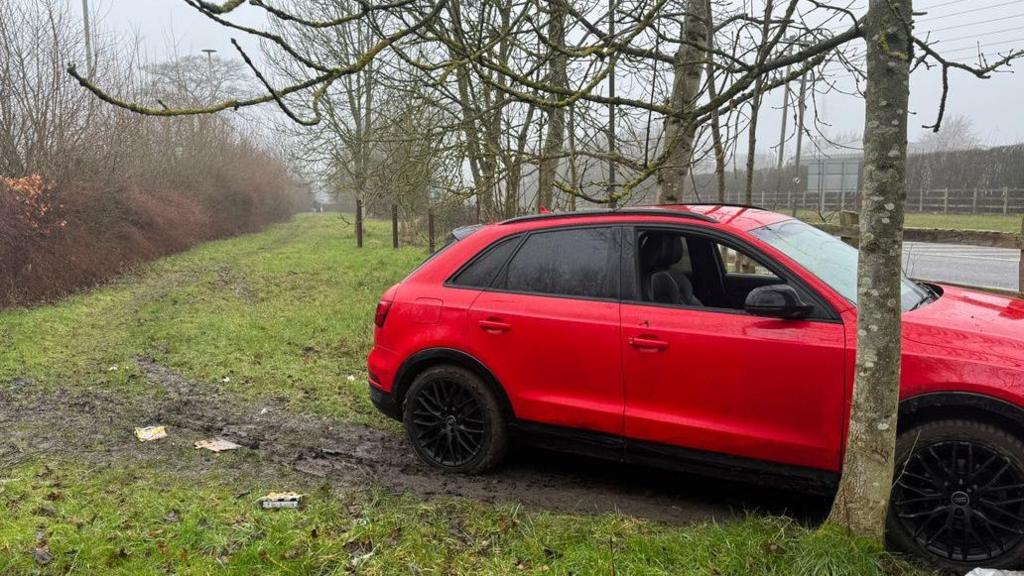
{"points": [[954, 27], [972, 10], [950, 3], [981, 48], [960, 25], [984, 32]]}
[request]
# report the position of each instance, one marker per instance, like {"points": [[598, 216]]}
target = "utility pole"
{"points": [[90, 62], [782, 141], [801, 106], [612, 4]]}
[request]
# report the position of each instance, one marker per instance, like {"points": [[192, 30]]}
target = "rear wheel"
{"points": [[454, 420], [958, 495]]}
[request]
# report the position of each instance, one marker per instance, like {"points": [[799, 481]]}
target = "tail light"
{"points": [[383, 307]]}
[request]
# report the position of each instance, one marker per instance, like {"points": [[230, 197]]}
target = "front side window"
{"points": [[828, 258], [582, 262], [692, 270]]}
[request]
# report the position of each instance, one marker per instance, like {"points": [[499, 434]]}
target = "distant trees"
{"points": [[85, 188]]}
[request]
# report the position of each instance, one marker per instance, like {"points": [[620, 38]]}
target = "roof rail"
{"points": [[611, 212], [726, 204]]}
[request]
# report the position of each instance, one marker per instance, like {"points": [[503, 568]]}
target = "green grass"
{"points": [[288, 311], [997, 222], [287, 314], [141, 520]]}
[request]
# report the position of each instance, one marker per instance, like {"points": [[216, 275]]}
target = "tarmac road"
{"points": [[974, 265]]}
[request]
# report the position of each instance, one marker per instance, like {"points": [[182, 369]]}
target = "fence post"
{"points": [[849, 227], [430, 229], [920, 201], [1006, 200], [394, 225], [974, 202], [359, 223], [945, 200]]}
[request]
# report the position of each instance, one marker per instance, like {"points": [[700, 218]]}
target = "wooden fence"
{"points": [[935, 200]]}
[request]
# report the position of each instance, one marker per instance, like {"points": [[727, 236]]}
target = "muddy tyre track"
{"points": [[353, 457]]}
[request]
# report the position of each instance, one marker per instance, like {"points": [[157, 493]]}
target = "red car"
{"points": [[717, 339]]}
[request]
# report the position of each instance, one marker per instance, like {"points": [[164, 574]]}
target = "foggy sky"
{"points": [[995, 106]]}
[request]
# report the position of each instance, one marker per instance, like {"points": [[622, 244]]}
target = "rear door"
{"points": [[548, 328]]}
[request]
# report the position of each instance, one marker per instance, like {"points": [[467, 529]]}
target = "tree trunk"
{"points": [[716, 123], [554, 141], [755, 112], [680, 127], [863, 498]]}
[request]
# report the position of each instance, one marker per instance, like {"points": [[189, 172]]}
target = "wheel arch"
{"points": [[961, 405], [430, 357]]}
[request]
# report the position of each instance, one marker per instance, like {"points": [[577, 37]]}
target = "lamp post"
{"points": [[90, 62]]}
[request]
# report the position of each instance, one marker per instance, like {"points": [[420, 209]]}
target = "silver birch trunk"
{"points": [[680, 128], [862, 501]]}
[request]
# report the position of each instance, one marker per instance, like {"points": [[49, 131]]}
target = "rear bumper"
{"points": [[385, 403]]}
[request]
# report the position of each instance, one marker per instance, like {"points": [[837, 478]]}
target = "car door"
{"points": [[709, 377], [548, 328]]}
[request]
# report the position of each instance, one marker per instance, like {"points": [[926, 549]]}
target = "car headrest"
{"points": [[660, 250]]}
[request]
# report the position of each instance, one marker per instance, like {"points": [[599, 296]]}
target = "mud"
{"points": [[97, 425]]}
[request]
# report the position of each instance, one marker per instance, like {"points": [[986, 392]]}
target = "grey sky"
{"points": [[995, 106]]}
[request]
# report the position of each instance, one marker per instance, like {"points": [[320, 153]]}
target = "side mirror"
{"points": [[777, 301]]}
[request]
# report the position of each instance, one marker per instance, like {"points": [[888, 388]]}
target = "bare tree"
{"points": [[680, 124], [493, 66], [555, 138]]}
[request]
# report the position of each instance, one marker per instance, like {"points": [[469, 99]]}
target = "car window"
{"points": [[738, 263], [696, 271], [829, 258], [580, 262], [482, 269]]}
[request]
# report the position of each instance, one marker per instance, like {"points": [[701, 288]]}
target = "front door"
{"points": [[702, 374], [548, 328]]}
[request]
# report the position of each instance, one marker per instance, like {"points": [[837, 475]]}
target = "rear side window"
{"points": [[580, 262], [483, 268]]}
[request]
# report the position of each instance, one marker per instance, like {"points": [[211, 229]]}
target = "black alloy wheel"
{"points": [[453, 420], [959, 498]]}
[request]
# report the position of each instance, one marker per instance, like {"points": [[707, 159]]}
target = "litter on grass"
{"points": [[217, 445], [150, 433], [282, 500]]}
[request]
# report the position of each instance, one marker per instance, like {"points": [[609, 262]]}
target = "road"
{"points": [[991, 267]]}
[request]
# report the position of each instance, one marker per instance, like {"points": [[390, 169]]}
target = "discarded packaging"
{"points": [[217, 445], [150, 433], [281, 500]]}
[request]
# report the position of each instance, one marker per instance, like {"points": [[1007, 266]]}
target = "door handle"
{"points": [[494, 326], [648, 343]]}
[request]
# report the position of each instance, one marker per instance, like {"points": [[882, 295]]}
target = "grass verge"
{"points": [[285, 314], [997, 222]]}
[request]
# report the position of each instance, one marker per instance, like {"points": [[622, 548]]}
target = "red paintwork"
{"points": [[767, 389]]}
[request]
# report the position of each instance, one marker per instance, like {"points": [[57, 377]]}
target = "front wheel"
{"points": [[454, 421], [958, 495]]}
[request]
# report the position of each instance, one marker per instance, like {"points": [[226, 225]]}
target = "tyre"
{"points": [[454, 421], [958, 496]]}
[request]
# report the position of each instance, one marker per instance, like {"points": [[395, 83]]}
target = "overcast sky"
{"points": [[995, 106]]}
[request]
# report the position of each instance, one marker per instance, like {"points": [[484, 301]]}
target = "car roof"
{"points": [[738, 216]]}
